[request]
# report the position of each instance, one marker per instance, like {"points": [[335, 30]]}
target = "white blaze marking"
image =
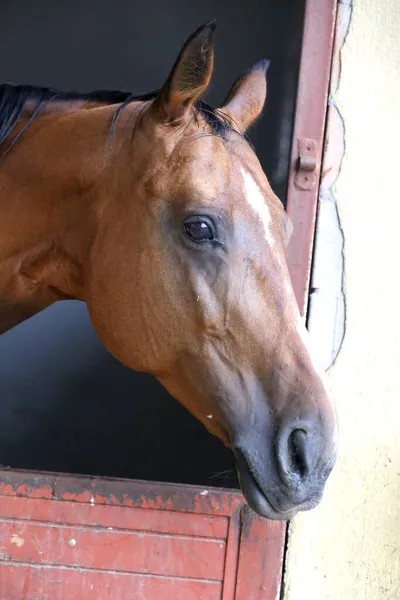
{"points": [[257, 201]]}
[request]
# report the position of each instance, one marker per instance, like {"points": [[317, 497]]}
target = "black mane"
{"points": [[13, 98]]}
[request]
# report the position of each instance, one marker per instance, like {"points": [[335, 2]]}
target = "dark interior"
{"points": [[65, 403]]}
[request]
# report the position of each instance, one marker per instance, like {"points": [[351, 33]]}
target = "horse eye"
{"points": [[199, 229]]}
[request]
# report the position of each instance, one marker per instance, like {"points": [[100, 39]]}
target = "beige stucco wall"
{"points": [[349, 547]]}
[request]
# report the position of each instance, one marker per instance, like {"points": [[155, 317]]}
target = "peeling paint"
{"points": [[327, 308], [17, 540]]}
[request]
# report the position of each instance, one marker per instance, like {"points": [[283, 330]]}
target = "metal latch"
{"points": [[306, 167]]}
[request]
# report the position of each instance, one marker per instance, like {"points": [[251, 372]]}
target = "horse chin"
{"points": [[253, 494]]}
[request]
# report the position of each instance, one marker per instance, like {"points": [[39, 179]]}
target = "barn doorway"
{"points": [[66, 404]]}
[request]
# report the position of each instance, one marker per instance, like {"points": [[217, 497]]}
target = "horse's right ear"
{"points": [[189, 77], [247, 96]]}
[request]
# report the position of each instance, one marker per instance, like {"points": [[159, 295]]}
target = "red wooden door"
{"points": [[79, 538]]}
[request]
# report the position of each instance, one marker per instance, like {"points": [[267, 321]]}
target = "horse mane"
{"points": [[13, 99]]}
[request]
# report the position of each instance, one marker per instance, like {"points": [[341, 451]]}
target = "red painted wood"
{"points": [[125, 518], [259, 573], [231, 557], [311, 106], [23, 582], [81, 538], [100, 548], [134, 493]]}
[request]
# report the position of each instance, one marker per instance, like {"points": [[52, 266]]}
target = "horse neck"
{"points": [[49, 203]]}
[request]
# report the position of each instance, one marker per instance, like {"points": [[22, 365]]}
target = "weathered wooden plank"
{"points": [[116, 517], [130, 551], [22, 582]]}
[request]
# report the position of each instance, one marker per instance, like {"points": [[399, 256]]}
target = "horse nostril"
{"points": [[298, 463], [302, 459], [295, 457]]}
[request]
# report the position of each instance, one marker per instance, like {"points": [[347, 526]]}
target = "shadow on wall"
{"points": [[67, 405]]}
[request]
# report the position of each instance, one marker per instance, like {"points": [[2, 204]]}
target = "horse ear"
{"points": [[246, 98], [189, 77]]}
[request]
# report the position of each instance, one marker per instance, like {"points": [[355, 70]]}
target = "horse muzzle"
{"points": [[287, 480]]}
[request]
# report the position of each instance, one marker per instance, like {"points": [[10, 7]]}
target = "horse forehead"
{"points": [[201, 165], [206, 155]]}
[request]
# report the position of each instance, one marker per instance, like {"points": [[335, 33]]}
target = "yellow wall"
{"points": [[349, 547]]}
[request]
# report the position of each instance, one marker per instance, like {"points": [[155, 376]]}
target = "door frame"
{"points": [[308, 142], [308, 139]]}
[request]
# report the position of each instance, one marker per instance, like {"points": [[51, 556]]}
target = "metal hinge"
{"points": [[306, 166]]}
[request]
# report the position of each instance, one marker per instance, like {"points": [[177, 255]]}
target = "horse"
{"points": [[155, 211]]}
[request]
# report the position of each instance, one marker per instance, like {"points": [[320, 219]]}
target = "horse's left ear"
{"points": [[189, 77], [246, 98]]}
